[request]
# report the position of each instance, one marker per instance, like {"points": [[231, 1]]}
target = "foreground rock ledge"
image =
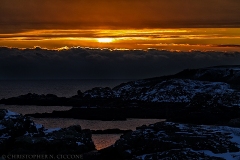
{"points": [[167, 140], [163, 140], [20, 135]]}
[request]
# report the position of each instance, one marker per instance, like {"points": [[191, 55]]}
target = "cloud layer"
{"points": [[56, 14], [86, 63]]}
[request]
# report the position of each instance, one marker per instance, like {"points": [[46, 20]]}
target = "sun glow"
{"points": [[105, 40], [184, 39]]}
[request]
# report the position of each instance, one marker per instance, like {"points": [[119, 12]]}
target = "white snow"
{"points": [[79, 143], [142, 156], [235, 137], [128, 151], [203, 131], [38, 126], [2, 127], [4, 136], [26, 134], [50, 130], [10, 114], [227, 156], [235, 133], [173, 90]]}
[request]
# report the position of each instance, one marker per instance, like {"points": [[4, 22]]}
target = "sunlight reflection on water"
{"points": [[100, 140]]}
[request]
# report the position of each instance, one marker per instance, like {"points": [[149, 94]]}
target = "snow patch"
{"points": [[2, 127], [4, 136], [173, 90], [142, 156], [47, 131], [38, 126], [227, 156], [10, 114], [79, 143]]}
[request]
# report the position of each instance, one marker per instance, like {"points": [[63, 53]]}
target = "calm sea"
{"points": [[67, 88]]}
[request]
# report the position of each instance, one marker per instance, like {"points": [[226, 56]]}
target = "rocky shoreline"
{"points": [[167, 140], [217, 85], [203, 96], [201, 108], [105, 114], [20, 135], [162, 140]]}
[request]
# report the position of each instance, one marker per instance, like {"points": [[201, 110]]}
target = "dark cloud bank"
{"points": [[82, 63]]}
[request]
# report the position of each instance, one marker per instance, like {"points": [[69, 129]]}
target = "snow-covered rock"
{"points": [[220, 83], [20, 135], [172, 90], [167, 140], [99, 92], [229, 74]]}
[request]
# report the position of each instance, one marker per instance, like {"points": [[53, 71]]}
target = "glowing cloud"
{"points": [[183, 39]]}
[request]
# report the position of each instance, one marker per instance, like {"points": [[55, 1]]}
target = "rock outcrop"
{"points": [[172, 90], [185, 87], [36, 99], [196, 94], [228, 73], [20, 135], [167, 140]]}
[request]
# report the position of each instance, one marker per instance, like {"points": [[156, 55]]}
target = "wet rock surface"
{"points": [[20, 135]]}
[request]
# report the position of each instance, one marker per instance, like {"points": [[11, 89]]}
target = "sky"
{"points": [[126, 24], [194, 27], [75, 14]]}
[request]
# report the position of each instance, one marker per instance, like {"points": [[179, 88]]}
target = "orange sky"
{"points": [[55, 14], [218, 39], [135, 24]]}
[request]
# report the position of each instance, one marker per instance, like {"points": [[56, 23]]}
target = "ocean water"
{"points": [[67, 88], [100, 140], [64, 88]]}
